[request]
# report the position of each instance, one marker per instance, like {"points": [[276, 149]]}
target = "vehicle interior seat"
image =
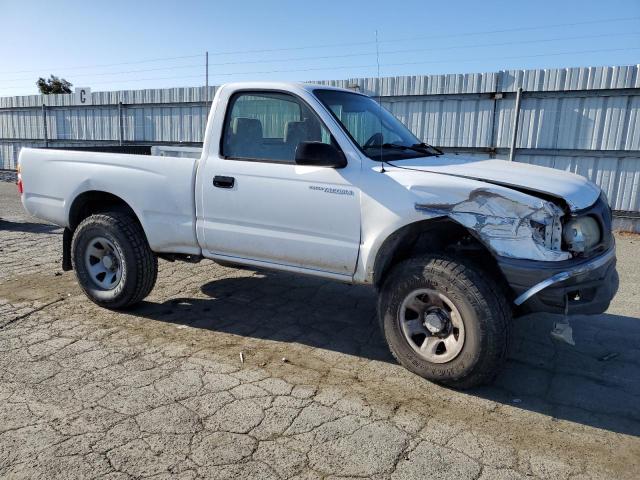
{"points": [[246, 138], [307, 130]]}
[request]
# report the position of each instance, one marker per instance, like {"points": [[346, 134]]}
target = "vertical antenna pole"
{"points": [[378, 64], [206, 75]]}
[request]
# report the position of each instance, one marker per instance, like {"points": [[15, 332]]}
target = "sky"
{"points": [[118, 44]]}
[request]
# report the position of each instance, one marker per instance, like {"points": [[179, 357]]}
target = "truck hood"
{"points": [[577, 191]]}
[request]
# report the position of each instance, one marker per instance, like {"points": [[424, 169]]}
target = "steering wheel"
{"points": [[375, 139]]}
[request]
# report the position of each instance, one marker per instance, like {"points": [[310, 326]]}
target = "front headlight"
{"points": [[581, 234]]}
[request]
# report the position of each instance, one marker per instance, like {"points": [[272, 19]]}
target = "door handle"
{"points": [[223, 182]]}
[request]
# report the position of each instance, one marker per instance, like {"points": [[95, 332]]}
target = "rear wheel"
{"points": [[445, 321], [113, 262]]}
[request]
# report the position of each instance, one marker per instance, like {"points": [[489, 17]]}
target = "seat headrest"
{"points": [[247, 127], [295, 132], [314, 132]]}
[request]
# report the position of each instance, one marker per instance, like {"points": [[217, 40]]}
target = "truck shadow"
{"points": [[595, 383], [29, 227]]}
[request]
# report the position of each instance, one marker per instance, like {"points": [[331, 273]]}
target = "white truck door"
{"points": [[258, 205]]}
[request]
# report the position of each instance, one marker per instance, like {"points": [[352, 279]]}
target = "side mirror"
{"points": [[319, 154]]}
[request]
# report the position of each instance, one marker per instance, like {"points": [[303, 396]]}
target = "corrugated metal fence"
{"points": [[586, 120]]}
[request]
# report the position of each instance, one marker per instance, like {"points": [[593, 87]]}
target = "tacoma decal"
{"points": [[337, 191]]}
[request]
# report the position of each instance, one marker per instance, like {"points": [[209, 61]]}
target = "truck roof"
{"points": [[283, 86]]}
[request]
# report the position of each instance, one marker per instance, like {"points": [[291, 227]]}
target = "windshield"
{"points": [[379, 134]]}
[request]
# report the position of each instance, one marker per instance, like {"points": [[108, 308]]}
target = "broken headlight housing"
{"points": [[546, 227], [581, 234]]}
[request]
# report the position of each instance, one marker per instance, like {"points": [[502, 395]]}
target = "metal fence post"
{"points": [[492, 139], [120, 126], [45, 128], [516, 116]]}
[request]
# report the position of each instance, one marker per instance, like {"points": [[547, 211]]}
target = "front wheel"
{"points": [[113, 262], [445, 321]]}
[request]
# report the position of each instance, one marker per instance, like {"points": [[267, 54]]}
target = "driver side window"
{"points": [[269, 126]]}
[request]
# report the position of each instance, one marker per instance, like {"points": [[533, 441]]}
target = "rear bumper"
{"points": [[589, 284]]}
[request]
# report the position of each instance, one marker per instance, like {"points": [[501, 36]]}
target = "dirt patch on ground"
{"points": [[39, 287]]}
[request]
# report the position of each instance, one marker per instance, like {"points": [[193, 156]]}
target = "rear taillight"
{"points": [[19, 182]]}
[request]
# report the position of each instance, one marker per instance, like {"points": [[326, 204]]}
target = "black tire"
{"points": [[481, 303], [139, 263]]}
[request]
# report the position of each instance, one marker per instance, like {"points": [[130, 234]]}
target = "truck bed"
{"points": [[160, 189]]}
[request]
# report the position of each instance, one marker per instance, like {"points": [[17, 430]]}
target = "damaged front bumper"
{"points": [[584, 286]]}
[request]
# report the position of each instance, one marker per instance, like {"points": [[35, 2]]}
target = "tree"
{"points": [[53, 85]]}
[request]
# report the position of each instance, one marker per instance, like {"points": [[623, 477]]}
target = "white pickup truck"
{"points": [[325, 182]]}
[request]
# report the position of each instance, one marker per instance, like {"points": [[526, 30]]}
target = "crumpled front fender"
{"points": [[515, 226]]}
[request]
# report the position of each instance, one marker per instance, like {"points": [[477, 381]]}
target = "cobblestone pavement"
{"points": [[160, 391]]}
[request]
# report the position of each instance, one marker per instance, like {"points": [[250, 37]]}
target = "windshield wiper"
{"points": [[427, 146], [418, 147]]}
